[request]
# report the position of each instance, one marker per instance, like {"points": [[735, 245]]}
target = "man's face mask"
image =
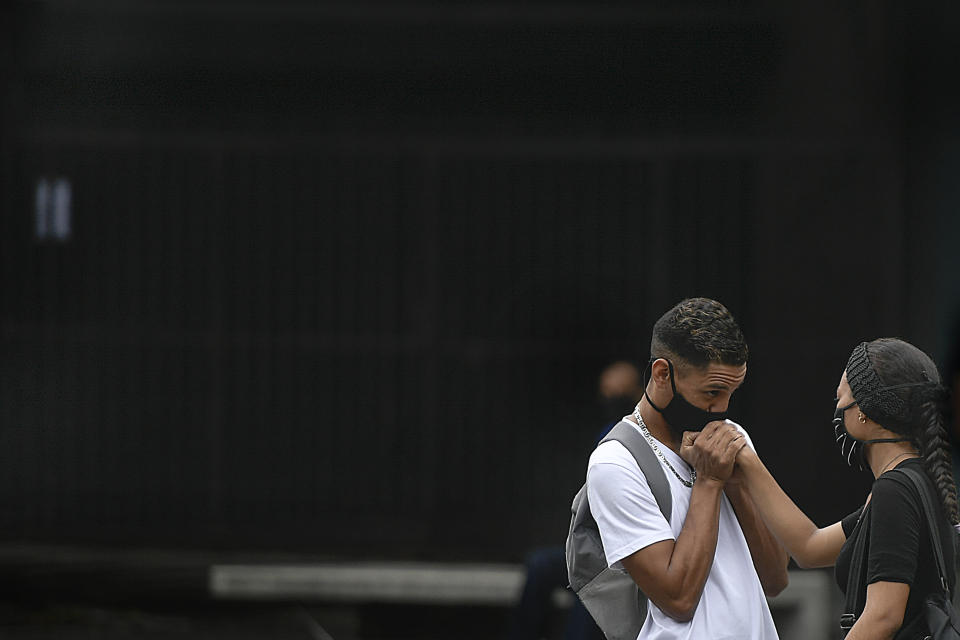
{"points": [[679, 413], [851, 448]]}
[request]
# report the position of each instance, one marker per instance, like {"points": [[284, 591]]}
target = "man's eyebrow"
{"points": [[717, 385]]}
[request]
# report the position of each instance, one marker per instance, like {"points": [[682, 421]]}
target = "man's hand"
{"points": [[713, 451]]}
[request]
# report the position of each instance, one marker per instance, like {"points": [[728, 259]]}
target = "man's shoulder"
{"points": [[613, 471], [743, 431], [611, 452], [736, 424]]}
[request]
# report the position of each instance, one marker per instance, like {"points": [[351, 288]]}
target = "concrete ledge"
{"points": [[807, 608], [427, 583]]}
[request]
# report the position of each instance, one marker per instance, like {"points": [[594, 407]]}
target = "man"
{"points": [[706, 570]]}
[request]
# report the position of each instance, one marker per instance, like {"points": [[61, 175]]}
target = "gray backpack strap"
{"points": [[628, 434], [610, 595]]}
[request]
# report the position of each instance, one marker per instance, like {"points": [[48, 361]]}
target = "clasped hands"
{"points": [[714, 451]]}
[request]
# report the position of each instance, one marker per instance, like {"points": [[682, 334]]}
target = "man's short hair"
{"points": [[698, 331]]}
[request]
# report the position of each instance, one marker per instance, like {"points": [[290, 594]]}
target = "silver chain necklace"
{"points": [[656, 450]]}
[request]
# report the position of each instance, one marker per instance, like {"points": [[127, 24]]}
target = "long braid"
{"points": [[935, 450]]}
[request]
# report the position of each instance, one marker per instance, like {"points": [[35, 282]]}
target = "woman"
{"points": [[889, 415]]}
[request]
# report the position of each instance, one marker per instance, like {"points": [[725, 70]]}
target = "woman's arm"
{"points": [[809, 545], [883, 614]]}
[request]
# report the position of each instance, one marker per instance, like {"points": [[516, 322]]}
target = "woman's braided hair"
{"points": [[915, 409], [935, 449]]}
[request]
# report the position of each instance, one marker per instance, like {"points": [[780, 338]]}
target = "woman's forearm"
{"points": [[883, 612], [871, 629], [809, 545]]}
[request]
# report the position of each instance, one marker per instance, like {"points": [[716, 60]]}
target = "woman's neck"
{"points": [[883, 456]]}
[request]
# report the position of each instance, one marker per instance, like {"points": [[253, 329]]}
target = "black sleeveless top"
{"points": [[898, 547]]}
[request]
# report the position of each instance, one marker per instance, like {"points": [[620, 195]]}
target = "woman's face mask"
{"points": [[852, 449]]}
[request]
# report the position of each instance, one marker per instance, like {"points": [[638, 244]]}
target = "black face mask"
{"points": [[851, 448], [679, 413]]}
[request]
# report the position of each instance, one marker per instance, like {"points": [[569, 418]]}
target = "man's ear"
{"points": [[660, 372]]}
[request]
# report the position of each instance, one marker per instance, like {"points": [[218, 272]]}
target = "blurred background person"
{"points": [[619, 389]]}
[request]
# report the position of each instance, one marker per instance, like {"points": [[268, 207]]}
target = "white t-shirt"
{"points": [[733, 604]]}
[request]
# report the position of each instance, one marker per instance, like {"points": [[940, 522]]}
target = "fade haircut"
{"points": [[698, 331]]}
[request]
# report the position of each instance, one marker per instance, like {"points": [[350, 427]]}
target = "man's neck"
{"points": [[657, 426]]}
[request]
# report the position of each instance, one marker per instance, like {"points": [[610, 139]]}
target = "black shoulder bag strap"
{"points": [[919, 481], [854, 603], [942, 620]]}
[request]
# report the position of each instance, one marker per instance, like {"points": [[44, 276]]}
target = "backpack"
{"points": [[610, 595]]}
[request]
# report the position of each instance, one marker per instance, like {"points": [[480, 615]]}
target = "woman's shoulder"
{"points": [[894, 475], [893, 490]]}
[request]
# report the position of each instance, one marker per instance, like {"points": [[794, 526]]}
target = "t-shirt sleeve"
{"points": [[849, 522], [895, 529], [626, 512]]}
